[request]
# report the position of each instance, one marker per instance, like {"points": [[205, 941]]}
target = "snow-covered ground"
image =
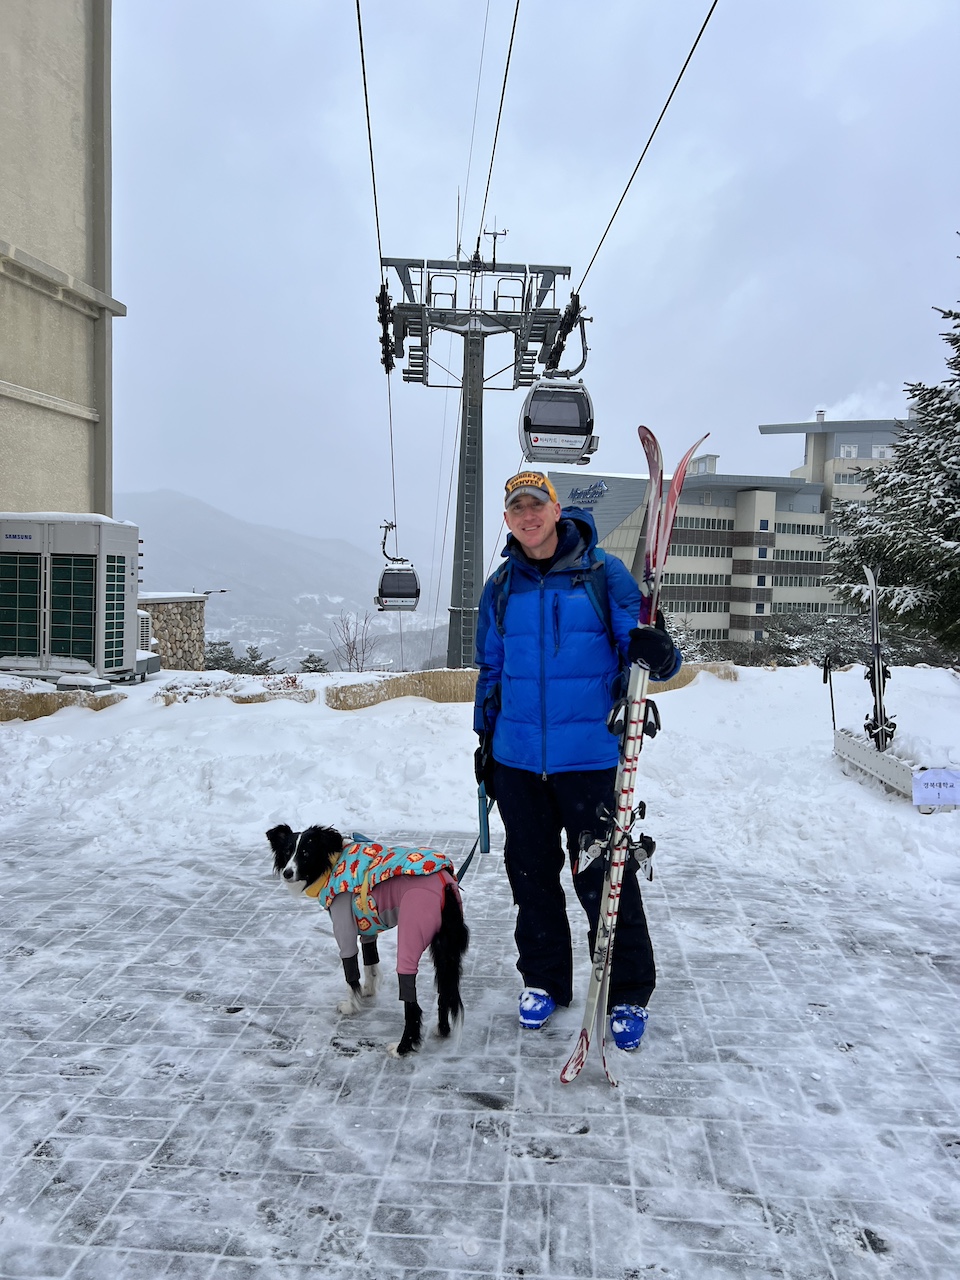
{"points": [[744, 766], [178, 1093]]}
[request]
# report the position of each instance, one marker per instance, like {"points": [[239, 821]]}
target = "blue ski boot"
{"points": [[627, 1025], [536, 1007]]}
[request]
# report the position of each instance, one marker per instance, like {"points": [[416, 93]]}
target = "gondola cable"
{"points": [[383, 301], [373, 171], [496, 132], [462, 213], [649, 141]]}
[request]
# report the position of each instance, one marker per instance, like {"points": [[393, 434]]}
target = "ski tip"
{"points": [[574, 1064], [607, 1071]]}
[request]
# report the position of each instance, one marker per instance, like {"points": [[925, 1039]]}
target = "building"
{"points": [[744, 547], [56, 308], [836, 454]]}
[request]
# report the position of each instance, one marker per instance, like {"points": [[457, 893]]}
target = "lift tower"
{"points": [[477, 300]]}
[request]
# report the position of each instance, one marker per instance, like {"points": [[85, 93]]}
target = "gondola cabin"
{"points": [[399, 589], [556, 424]]}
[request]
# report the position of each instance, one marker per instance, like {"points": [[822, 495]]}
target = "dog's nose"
{"points": [[288, 873]]}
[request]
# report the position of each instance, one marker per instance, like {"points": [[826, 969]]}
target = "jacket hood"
{"points": [[576, 532]]}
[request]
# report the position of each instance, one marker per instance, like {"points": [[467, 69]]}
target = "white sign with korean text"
{"points": [[936, 786]]}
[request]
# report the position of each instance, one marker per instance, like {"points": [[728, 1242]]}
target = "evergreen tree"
{"points": [[909, 532], [218, 655], [314, 662], [682, 629], [255, 664]]}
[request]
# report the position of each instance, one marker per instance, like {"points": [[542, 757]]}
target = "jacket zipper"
{"points": [[543, 679]]}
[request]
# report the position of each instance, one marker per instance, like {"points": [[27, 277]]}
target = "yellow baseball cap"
{"points": [[531, 482]]}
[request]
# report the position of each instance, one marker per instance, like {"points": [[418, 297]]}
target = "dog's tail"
{"points": [[447, 950]]}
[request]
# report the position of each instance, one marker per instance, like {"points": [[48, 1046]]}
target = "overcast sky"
{"points": [[780, 251]]}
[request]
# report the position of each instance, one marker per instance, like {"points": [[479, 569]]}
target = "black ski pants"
{"points": [[535, 810]]}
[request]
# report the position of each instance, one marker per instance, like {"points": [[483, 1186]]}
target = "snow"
{"points": [[179, 1096]]}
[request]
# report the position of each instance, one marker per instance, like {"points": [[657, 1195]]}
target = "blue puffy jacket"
{"points": [[546, 685]]}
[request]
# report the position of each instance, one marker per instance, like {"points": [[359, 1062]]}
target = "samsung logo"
{"points": [[584, 496], [18, 537]]}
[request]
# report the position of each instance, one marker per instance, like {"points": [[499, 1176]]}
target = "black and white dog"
{"points": [[367, 887]]}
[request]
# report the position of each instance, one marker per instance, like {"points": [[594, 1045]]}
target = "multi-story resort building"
{"points": [[743, 547]]}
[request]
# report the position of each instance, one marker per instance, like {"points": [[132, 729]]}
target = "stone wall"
{"points": [[443, 685], [29, 703], [178, 628], [447, 685]]}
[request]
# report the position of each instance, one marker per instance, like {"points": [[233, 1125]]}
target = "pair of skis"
{"points": [[619, 843], [880, 727]]}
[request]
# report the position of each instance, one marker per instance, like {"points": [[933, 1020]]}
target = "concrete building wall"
{"points": [[56, 310], [46, 182]]}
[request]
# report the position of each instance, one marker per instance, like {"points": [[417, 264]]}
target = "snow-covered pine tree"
{"points": [[219, 656], [910, 530]]}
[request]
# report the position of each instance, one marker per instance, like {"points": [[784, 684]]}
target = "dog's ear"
{"points": [[328, 841], [281, 841], [279, 835]]}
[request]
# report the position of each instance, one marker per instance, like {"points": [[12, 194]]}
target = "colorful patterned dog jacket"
{"points": [[362, 867]]}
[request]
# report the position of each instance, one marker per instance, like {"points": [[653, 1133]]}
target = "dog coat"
{"points": [[362, 867]]}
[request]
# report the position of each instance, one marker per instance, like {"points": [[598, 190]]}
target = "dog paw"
{"points": [[371, 981], [403, 1048]]}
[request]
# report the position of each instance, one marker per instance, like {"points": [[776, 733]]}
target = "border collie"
{"points": [[418, 892]]}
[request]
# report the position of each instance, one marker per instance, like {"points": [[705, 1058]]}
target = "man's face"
{"points": [[534, 525]]}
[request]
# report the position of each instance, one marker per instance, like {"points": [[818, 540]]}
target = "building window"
{"points": [[759, 608], [783, 527], [882, 452], [791, 553], [696, 579], [706, 499], [848, 451], [764, 524], [761, 579], [701, 522], [679, 608], [762, 552], [758, 635], [694, 549]]}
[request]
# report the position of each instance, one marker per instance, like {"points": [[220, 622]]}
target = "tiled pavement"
{"points": [[178, 1098]]}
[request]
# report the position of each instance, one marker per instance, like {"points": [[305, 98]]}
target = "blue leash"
{"points": [[483, 839]]}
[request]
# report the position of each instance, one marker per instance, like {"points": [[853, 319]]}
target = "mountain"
{"points": [[273, 588]]}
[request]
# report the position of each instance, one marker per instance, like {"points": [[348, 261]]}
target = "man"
{"points": [[550, 654]]}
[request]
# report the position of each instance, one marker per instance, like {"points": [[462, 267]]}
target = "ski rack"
{"points": [[893, 771]]}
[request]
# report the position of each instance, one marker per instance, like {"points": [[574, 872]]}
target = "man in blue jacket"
{"points": [[549, 669]]}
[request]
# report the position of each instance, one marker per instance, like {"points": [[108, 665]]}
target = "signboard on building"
{"points": [[609, 499]]}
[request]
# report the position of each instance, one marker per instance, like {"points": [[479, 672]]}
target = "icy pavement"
{"points": [[180, 1099]]}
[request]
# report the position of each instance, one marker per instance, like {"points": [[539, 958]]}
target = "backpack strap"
{"points": [[501, 584], [593, 578], [595, 584]]}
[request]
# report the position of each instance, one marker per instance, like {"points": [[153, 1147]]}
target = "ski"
{"points": [[880, 727], [619, 843]]}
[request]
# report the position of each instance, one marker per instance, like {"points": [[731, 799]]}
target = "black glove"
{"points": [[652, 647], [483, 763]]}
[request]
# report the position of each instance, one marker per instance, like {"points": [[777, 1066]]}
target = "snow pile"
{"points": [[23, 684], [745, 767]]}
